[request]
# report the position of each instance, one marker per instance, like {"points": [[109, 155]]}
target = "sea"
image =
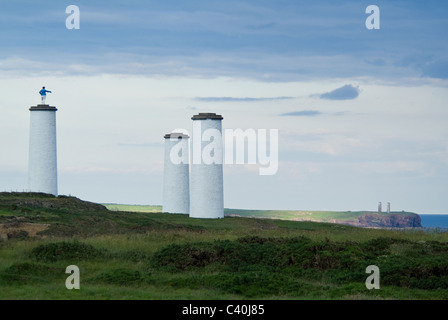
{"points": [[439, 221]]}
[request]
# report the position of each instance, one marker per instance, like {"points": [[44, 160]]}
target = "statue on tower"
{"points": [[43, 94]]}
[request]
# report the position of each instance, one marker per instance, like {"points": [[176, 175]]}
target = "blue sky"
{"points": [[361, 113], [275, 40]]}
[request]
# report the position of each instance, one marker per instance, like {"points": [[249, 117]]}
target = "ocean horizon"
{"points": [[434, 220]]}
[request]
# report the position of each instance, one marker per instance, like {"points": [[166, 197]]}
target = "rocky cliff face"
{"points": [[392, 220]]}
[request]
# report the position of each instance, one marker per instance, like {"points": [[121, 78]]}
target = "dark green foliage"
{"points": [[425, 272], [183, 257], [272, 258], [121, 277], [236, 255], [245, 253], [26, 273], [255, 284], [134, 256], [254, 266], [380, 246], [57, 251]]}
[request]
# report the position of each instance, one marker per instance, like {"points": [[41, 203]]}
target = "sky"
{"points": [[361, 113]]}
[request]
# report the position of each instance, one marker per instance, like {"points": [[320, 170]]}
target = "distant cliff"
{"points": [[391, 220], [365, 219]]}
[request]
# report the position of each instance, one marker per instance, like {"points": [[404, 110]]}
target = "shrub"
{"points": [[134, 256], [257, 284], [185, 256], [66, 250], [249, 261], [120, 277], [25, 273], [242, 254]]}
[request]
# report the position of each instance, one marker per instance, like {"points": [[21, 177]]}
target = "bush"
{"points": [[258, 284], [425, 272], [246, 263], [183, 257], [134, 256], [26, 273], [242, 254], [122, 277], [66, 250]]}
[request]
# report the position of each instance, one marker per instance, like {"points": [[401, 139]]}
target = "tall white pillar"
{"points": [[176, 188], [206, 185], [42, 162]]}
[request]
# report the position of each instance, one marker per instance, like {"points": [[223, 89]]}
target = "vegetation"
{"points": [[267, 214], [152, 255], [303, 215]]}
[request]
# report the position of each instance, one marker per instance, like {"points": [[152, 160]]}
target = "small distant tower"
{"points": [[388, 207], [380, 207], [176, 193], [42, 162], [206, 192]]}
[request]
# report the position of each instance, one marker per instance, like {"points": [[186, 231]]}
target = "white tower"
{"points": [[42, 162], [176, 188], [206, 194]]}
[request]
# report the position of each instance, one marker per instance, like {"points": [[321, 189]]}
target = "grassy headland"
{"points": [[153, 255]]}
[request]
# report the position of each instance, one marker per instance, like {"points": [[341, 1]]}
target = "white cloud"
{"points": [[392, 167]]}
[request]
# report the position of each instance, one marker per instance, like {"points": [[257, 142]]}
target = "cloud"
{"points": [[140, 144], [391, 167], [304, 113], [312, 113], [233, 99], [263, 40], [347, 92]]}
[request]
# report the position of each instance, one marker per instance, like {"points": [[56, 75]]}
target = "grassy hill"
{"points": [[152, 255], [356, 218]]}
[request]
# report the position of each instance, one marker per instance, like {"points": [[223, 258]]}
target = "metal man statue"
{"points": [[43, 94]]}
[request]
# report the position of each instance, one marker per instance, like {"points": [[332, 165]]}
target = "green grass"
{"points": [[302, 215], [294, 215], [146, 254], [132, 208]]}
